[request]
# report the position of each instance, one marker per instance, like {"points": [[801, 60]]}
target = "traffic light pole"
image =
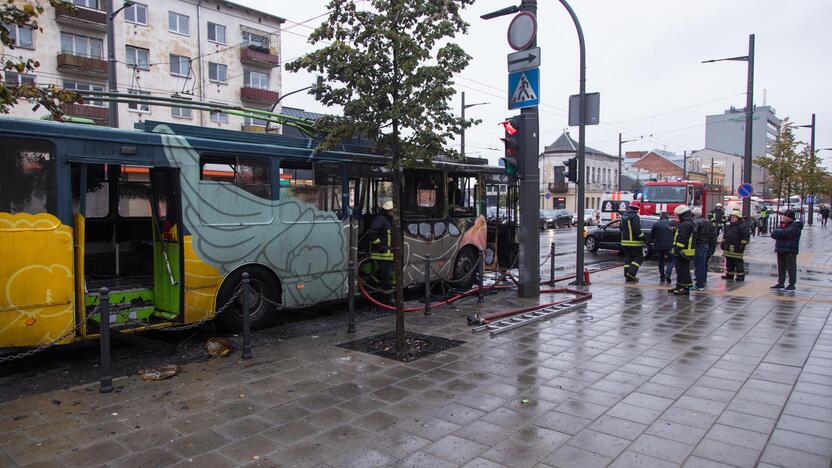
{"points": [[529, 270], [579, 254]]}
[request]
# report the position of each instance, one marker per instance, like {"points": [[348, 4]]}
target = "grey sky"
{"points": [[643, 57]]}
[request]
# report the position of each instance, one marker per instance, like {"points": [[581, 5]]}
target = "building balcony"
{"points": [[258, 96], [258, 58], [83, 17], [78, 64], [99, 114]]}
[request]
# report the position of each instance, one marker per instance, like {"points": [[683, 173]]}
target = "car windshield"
{"points": [[665, 193]]}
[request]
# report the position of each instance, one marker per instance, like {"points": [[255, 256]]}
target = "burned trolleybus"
{"points": [[168, 217]]}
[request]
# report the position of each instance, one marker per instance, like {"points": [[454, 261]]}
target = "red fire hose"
{"points": [[459, 296]]}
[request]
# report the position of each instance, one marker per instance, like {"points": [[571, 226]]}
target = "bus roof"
{"points": [[674, 182]]}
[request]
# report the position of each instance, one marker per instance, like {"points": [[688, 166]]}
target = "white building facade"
{"points": [[209, 50], [601, 175]]}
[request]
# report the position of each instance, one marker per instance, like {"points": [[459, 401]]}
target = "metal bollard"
{"points": [[552, 264], [246, 284], [481, 268], [351, 311], [105, 372], [427, 284]]}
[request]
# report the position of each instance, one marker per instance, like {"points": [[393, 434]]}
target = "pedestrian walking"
{"points": [[733, 244], [632, 241], [683, 250], [787, 246], [825, 211], [702, 248], [661, 236], [381, 243]]}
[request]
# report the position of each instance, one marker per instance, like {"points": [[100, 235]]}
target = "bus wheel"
{"points": [[465, 269], [261, 311]]}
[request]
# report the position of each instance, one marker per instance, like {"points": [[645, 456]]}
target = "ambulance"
{"points": [[613, 204]]}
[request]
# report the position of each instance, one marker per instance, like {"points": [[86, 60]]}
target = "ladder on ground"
{"points": [[515, 321]]}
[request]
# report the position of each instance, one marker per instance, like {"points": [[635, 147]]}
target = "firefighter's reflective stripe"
{"points": [[630, 242], [687, 251], [386, 255], [730, 253]]}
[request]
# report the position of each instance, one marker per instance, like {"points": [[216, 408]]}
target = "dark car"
{"points": [[608, 236]]}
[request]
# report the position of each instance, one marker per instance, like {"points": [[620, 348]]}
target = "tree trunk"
{"points": [[398, 257]]}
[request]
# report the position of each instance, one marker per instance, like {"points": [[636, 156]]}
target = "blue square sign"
{"points": [[524, 88]]}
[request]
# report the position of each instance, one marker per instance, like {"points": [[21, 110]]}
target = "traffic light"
{"points": [[513, 127], [571, 169]]}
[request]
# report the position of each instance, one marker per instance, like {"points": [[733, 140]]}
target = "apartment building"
{"points": [[204, 50]]}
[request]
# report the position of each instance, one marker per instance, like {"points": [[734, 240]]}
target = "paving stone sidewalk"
{"points": [[733, 376]]}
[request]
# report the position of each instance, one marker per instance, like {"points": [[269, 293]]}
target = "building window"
{"points": [[78, 86], [254, 122], [15, 78], [260, 41], [139, 107], [138, 57], [251, 174], [181, 112], [217, 72], [178, 23], [81, 45], [180, 65], [136, 14], [255, 79], [86, 3], [216, 33], [21, 36], [219, 117]]}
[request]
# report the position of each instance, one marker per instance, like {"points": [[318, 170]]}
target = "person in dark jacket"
{"points": [[684, 242], [717, 219], [703, 247], [787, 246], [824, 215], [381, 245], [733, 244], [632, 241], [661, 235]]}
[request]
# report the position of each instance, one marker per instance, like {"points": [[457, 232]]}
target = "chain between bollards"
{"points": [[481, 275], [427, 284], [106, 373], [351, 311], [246, 284], [552, 264]]}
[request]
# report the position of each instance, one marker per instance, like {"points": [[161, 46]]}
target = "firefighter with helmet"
{"points": [[632, 241], [381, 245], [734, 240], [684, 242]]}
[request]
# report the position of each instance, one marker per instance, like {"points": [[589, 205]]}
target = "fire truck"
{"points": [[665, 196]]}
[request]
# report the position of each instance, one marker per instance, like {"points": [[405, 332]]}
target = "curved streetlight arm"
{"points": [[274, 106]]}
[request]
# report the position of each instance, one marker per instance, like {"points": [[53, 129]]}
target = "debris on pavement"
{"points": [[159, 373], [218, 347]]}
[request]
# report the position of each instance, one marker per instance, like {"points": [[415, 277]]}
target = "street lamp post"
{"points": [[749, 117], [462, 130], [620, 142], [111, 58], [812, 153]]}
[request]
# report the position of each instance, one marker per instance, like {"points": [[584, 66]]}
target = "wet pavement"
{"points": [[732, 376]]}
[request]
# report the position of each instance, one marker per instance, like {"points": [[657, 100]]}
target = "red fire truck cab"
{"points": [[665, 196]]}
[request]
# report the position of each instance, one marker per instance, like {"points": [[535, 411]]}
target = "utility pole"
{"points": [[529, 271], [749, 122], [685, 166], [620, 142], [462, 130], [812, 168], [111, 62]]}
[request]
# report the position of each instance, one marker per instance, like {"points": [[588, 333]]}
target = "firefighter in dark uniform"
{"points": [[632, 241], [717, 219], [684, 248], [733, 244], [381, 244]]}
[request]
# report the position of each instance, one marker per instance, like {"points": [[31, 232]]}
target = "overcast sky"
{"points": [[643, 56]]}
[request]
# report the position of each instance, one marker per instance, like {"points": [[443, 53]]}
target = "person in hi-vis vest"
{"points": [[381, 248]]}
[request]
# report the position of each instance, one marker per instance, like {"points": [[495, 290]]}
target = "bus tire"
{"points": [[465, 261], [262, 282]]}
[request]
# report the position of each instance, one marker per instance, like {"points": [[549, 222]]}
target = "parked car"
{"points": [[591, 217], [555, 219], [608, 236]]}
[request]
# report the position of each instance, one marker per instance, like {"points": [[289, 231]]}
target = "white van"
{"points": [[613, 204]]}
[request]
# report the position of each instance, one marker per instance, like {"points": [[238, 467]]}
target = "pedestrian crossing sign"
{"points": [[524, 88]]}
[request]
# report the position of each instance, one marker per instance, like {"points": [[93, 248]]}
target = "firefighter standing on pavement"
{"points": [[381, 243], [684, 249], [632, 241], [733, 244], [717, 220]]}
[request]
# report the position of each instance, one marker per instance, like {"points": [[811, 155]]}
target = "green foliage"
{"points": [[783, 162], [26, 14], [390, 64]]}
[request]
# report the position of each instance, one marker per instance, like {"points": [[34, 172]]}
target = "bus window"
{"points": [[96, 194], [28, 170], [462, 195], [330, 189], [423, 196], [249, 173], [319, 186], [134, 192]]}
